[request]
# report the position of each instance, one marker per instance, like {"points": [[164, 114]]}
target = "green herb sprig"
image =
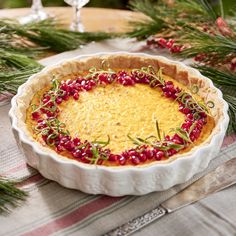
{"points": [[10, 195]]}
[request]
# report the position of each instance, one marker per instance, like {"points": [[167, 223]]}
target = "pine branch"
{"points": [[49, 34], [219, 77], [218, 46], [153, 23], [161, 16], [13, 60], [224, 80], [11, 80], [10, 195], [231, 100], [208, 8]]}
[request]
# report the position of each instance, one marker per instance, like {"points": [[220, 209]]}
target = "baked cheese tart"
{"points": [[120, 110]]}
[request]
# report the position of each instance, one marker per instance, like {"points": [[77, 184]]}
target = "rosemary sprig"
{"points": [[10, 195]]}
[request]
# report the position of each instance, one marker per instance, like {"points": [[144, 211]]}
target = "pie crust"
{"points": [[136, 180]]}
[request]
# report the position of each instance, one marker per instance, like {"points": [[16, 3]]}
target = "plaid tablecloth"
{"points": [[54, 210]]}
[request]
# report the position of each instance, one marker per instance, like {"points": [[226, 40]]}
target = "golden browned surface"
{"points": [[117, 111]]}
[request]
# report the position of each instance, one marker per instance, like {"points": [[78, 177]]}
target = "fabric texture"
{"points": [[54, 210]]}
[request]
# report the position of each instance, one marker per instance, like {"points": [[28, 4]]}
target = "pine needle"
{"points": [[218, 77], [10, 195], [161, 16], [202, 42], [231, 100], [11, 80], [49, 34], [15, 60]]}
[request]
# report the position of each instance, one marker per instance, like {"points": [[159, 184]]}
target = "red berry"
{"points": [[135, 160], [59, 148], [142, 157], [77, 153], [58, 100], [76, 96], [122, 160], [35, 115], [159, 155], [113, 157], [149, 154], [186, 110]]}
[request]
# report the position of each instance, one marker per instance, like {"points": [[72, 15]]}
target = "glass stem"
{"points": [[37, 6], [77, 24]]}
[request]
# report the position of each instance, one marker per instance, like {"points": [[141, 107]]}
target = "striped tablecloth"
{"points": [[54, 210]]}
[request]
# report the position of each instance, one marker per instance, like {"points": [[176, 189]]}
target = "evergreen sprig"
{"points": [[21, 44], [226, 81], [161, 17], [11, 80], [231, 100], [217, 47], [47, 34], [219, 77], [10, 195]]}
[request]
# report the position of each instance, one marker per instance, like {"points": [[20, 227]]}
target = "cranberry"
{"points": [[113, 157], [87, 87], [162, 43], [35, 115], [69, 146], [65, 97], [167, 138], [168, 94], [46, 99], [177, 139], [192, 137], [186, 110], [76, 141], [190, 116], [103, 78], [59, 148], [203, 114], [176, 49], [122, 160], [76, 96], [135, 160], [58, 100], [149, 154], [171, 152], [77, 153], [132, 152], [159, 155], [142, 157]]}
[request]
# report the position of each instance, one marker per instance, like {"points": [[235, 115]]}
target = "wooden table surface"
{"points": [[94, 19]]}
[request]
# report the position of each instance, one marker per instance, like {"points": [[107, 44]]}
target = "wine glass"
{"points": [[76, 24], [37, 13]]}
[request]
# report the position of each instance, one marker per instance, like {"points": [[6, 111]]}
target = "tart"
{"points": [[116, 116]]}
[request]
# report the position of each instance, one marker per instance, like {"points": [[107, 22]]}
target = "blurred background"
{"points": [[93, 3]]}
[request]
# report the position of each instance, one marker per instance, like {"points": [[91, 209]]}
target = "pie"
{"points": [[122, 110], [119, 123]]}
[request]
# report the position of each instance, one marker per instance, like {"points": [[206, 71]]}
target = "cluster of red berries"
{"points": [[56, 136], [155, 42]]}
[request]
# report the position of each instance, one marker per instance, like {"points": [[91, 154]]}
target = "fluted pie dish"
{"points": [[119, 123]]}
